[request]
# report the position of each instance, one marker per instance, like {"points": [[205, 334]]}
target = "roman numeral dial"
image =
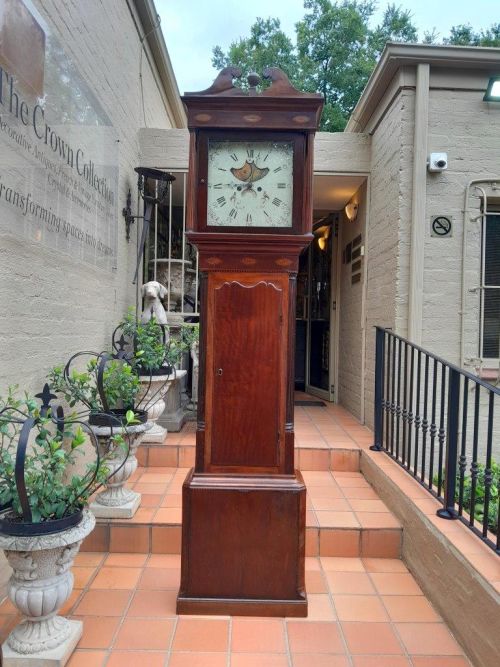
{"points": [[249, 183]]}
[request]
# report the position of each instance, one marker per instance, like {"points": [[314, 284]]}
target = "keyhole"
{"points": [[219, 371]]}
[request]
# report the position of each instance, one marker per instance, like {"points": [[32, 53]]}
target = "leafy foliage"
{"points": [[54, 488], [151, 353], [267, 46], [464, 35], [120, 381], [480, 495], [335, 50]]}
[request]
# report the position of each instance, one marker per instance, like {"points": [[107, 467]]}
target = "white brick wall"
{"points": [[461, 124], [387, 206], [51, 305], [351, 315]]}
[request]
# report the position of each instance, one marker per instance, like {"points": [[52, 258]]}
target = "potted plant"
{"points": [[155, 355], [45, 517], [108, 389]]}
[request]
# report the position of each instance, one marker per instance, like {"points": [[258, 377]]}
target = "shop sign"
{"points": [[58, 148]]}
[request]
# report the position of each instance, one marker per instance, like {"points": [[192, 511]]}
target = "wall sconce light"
{"points": [[492, 93], [351, 211], [322, 240]]}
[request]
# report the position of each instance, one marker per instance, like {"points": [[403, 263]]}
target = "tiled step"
{"points": [[178, 452], [344, 517], [327, 438]]}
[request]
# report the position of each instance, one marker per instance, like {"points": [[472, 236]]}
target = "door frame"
{"points": [[326, 394]]}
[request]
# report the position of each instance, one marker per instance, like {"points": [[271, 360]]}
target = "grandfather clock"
{"points": [[250, 216]]}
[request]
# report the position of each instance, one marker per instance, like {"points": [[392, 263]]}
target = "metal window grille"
{"points": [[168, 257]]}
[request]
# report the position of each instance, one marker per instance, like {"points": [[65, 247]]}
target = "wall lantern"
{"points": [[323, 239], [351, 211], [164, 179], [492, 93]]}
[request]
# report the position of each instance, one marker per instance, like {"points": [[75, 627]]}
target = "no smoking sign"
{"points": [[441, 225]]}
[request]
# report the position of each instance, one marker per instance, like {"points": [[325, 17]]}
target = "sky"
{"points": [[193, 27]]}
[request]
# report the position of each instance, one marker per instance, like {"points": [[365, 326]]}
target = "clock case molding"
{"points": [[243, 526]]}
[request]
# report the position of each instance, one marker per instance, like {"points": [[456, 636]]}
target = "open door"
{"points": [[315, 312]]}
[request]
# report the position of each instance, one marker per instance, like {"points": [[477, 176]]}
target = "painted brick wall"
{"points": [[333, 151], [387, 207], [461, 124], [351, 322], [51, 305]]}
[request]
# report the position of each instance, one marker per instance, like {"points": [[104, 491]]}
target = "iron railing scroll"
{"points": [[442, 425]]}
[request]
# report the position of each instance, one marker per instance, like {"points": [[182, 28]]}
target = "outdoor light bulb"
{"points": [[493, 90], [322, 242]]}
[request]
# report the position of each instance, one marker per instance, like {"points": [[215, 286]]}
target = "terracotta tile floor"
{"points": [[362, 613], [335, 499]]}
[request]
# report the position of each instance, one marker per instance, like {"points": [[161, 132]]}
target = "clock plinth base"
{"points": [[243, 545], [229, 607]]}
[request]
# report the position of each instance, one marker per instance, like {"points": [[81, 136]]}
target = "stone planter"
{"points": [[153, 390], [41, 583], [174, 416], [116, 501]]}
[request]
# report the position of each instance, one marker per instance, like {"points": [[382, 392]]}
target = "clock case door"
{"points": [[298, 140], [245, 373]]}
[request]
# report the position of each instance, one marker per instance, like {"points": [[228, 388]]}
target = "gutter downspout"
{"points": [[418, 202]]}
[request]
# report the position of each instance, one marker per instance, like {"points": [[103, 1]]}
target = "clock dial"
{"points": [[250, 183]]}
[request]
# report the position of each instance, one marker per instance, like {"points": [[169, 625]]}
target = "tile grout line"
{"points": [[229, 641], [124, 616], [339, 626], [287, 644], [171, 643]]}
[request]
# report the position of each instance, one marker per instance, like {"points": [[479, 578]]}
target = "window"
{"points": [[491, 287]]}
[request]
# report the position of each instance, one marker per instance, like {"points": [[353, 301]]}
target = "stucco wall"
{"points": [[52, 305]]}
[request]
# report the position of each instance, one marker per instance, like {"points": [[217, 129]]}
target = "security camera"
{"points": [[437, 162]]}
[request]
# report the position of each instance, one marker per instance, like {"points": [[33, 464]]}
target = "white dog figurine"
{"points": [[152, 293]]}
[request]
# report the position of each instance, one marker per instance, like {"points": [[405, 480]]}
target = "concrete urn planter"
{"points": [[116, 501], [41, 583], [154, 388]]}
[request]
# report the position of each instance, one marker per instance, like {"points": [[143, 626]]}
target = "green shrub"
{"points": [[120, 382], [54, 489], [480, 494]]}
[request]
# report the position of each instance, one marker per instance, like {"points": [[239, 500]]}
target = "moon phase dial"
{"points": [[250, 183]]}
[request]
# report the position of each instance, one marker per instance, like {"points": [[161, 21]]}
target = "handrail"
{"points": [[424, 420], [462, 371]]}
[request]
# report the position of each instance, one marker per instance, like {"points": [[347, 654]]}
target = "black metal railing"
{"points": [[441, 424]]}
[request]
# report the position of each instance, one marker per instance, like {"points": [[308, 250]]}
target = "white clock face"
{"points": [[250, 183]]}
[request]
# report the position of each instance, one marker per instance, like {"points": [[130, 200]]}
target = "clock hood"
{"points": [[278, 107]]}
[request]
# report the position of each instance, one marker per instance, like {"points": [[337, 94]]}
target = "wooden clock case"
{"points": [[243, 524]]}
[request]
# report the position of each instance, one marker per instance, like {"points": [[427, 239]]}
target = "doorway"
{"points": [[318, 288], [314, 311]]}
